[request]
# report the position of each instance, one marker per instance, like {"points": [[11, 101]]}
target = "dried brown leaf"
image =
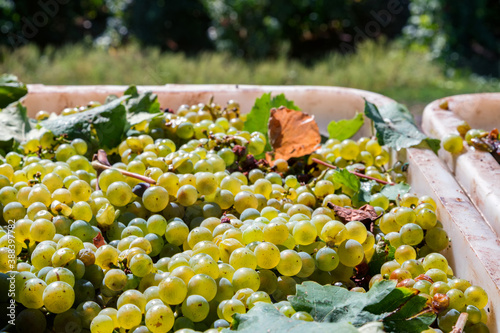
{"points": [[99, 240], [365, 214], [292, 133]]}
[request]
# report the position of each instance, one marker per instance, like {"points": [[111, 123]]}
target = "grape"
{"points": [[129, 315], [327, 259], [141, 265], [203, 285], [275, 232], [155, 199], [447, 320], [290, 263], [119, 193], [60, 274], [246, 278], [244, 200], [187, 195], [304, 233], [302, 315], [115, 279], [334, 231], [58, 297], [231, 307], [475, 295], [195, 308], [351, 253], [411, 234], [172, 290], [243, 257], [435, 260], [452, 143], [31, 295], [102, 324], [436, 239], [30, 320]]}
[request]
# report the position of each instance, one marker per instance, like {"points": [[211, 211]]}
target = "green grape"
{"points": [[102, 324], [187, 195], [426, 218], [304, 233], [258, 296], [115, 279], [172, 290], [246, 278], [88, 311], [252, 234], [459, 284], [60, 274], [287, 310], [351, 253], [404, 253], [474, 314], [119, 193], [475, 295], [302, 315], [290, 263], [141, 265], [231, 307], [129, 315], [42, 256], [326, 259], [404, 215], [31, 295], [436, 239], [68, 321], [435, 260], [437, 275], [356, 230], [42, 229], [349, 149], [414, 267], [457, 299], [80, 190], [275, 232], [243, 257], [244, 200], [81, 211], [411, 234], [62, 257], [159, 318], [195, 308], [58, 297], [203, 285], [452, 143], [132, 297], [205, 265], [334, 231], [308, 266], [447, 320], [155, 199], [267, 255], [379, 200]]}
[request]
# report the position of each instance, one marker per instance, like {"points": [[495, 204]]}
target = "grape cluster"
{"points": [[100, 251]]}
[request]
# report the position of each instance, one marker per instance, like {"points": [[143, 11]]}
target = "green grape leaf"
{"points": [[364, 194], [15, 125], [144, 102], [258, 118], [393, 191], [265, 317], [108, 121], [383, 252], [11, 90], [345, 128], [396, 127], [141, 107], [347, 179], [383, 302]]}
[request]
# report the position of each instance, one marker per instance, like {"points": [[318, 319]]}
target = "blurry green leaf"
{"points": [[395, 126], [346, 128], [11, 89], [383, 302], [108, 121], [144, 102], [344, 177], [265, 317], [258, 118], [383, 252], [14, 124], [392, 191]]}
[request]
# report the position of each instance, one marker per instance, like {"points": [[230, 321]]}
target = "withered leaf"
{"points": [[99, 240], [365, 214], [292, 133]]}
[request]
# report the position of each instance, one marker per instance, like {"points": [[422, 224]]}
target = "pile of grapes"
{"points": [[181, 227]]}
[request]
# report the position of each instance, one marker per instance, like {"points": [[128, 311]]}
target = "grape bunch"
{"points": [[186, 227]]}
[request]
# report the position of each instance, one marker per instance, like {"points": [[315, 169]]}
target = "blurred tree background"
{"points": [[414, 51], [464, 34]]}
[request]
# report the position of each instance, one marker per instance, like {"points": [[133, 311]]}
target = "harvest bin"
{"points": [[476, 171], [475, 249]]}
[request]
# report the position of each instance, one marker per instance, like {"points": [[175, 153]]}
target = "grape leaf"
{"points": [[345, 128], [15, 125], [108, 121], [141, 107], [292, 133], [396, 127], [347, 179], [258, 118], [364, 194], [11, 90], [266, 317], [393, 191], [383, 302]]}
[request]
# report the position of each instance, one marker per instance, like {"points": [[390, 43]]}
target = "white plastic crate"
{"points": [[475, 249], [476, 171]]}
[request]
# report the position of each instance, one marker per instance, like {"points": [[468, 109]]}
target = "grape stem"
{"points": [[460, 324], [353, 172], [98, 166]]}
